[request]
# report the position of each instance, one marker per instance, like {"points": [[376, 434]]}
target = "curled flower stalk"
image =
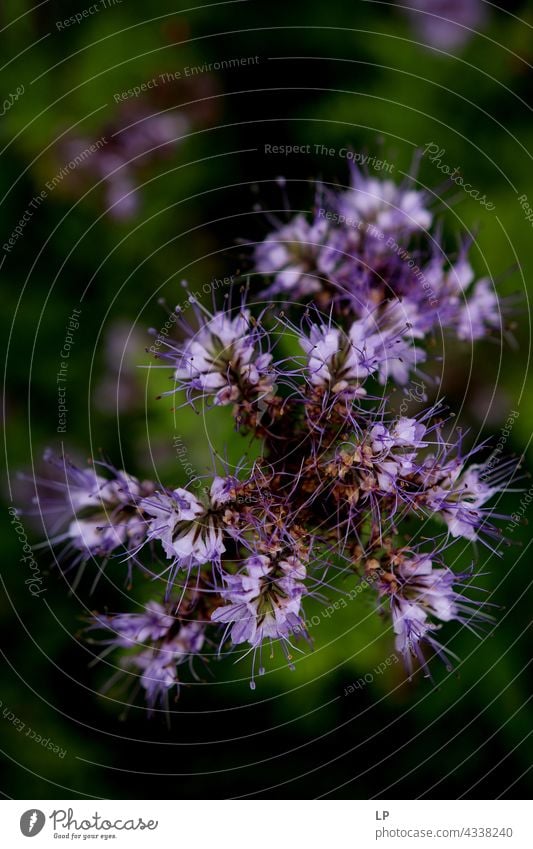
{"points": [[344, 489]]}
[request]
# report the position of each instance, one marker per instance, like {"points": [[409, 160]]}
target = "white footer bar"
{"points": [[267, 824]]}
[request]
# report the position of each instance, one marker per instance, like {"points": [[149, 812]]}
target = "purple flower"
{"points": [[143, 139], [339, 483], [222, 360], [189, 534], [359, 259], [446, 24], [458, 498], [398, 445], [159, 673], [375, 464], [102, 514], [384, 207], [133, 628], [481, 312], [338, 360], [341, 361], [418, 593], [159, 665], [291, 254], [223, 490], [166, 643], [264, 601]]}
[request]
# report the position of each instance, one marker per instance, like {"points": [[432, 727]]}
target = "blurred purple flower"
{"points": [[446, 24]]}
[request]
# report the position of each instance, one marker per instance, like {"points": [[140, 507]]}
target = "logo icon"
{"points": [[32, 822]]}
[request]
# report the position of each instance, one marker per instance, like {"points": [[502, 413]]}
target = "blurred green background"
{"points": [[341, 75]]}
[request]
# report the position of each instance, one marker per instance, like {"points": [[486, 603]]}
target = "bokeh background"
{"points": [[177, 192]]}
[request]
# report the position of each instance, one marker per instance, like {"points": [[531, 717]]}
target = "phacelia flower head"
{"points": [[480, 314], [189, 534], [335, 470], [446, 24], [340, 361], [384, 207], [368, 254], [101, 514], [130, 629], [222, 360], [291, 256], [419, 593], [459, 498], [158, 642], [158, 666]]}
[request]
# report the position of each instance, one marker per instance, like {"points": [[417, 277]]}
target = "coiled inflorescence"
{"points": [[345, 486]]}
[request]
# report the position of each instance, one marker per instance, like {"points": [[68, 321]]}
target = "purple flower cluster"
{"points": [[123, 151], [149, 137], [446, 25], [341, 483], [223, 359], [369, 252], [95, 514], [417, 593], [264, 601], [158, 643]]}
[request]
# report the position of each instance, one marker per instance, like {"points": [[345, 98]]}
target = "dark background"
{"points": [[343, 75]]}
